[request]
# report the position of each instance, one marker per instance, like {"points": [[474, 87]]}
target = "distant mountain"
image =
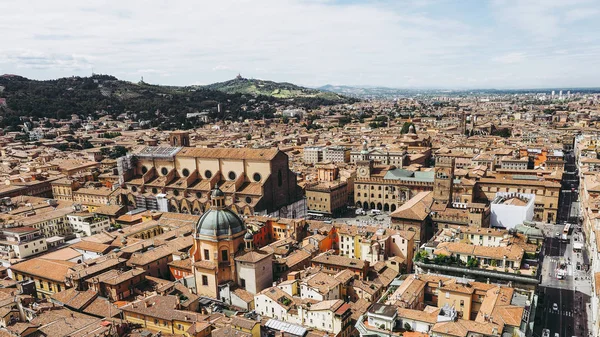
{"points": [[367, 92], [255, 87]]}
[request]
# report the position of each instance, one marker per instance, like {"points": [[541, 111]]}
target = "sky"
{"points": [[393, 43]]}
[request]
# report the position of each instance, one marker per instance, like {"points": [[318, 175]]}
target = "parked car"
{"points": [[360, 211], [546, 333], [555, 307]]}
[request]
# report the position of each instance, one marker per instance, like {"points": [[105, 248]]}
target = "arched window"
{"points": [[231, 175], [256, 177], [164, 171], [185, 172]]}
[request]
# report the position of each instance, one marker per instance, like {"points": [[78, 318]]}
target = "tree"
{"points": [[406, 127], [87, 145], [344, 120], [117, 152], [421, 255], [472, 263]]}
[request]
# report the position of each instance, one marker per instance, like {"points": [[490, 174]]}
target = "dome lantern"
{"points": [[249, 241]]}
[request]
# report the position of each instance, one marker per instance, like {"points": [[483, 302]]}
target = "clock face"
{"points": [[363, 171]]}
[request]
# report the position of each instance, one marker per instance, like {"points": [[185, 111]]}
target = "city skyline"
{"points": [[431, 44]]}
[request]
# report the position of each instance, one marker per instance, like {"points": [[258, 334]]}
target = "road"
{"points": [[571, 294], [569, 190]]}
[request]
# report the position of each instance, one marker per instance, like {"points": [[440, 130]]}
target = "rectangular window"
{"points": [[206, 255], [204, 280], [224, 255]]}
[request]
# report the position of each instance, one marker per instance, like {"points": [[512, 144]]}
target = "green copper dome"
{"points": [[219, 220]]}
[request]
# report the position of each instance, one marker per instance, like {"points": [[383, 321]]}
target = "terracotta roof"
{"points": [[244, 295], [417, 208], [418, 315], [458, 287], [142, 259], [74, 298], [101, 307], [337, 260], [327, 305], [47, 269], [253, 256], [114, 277], [64, 254], [162, 307], [276, 294], [297, 257], [205, 265], [243, 323], [182, 264], [95, 266], [20, 230], [91, 246], [324, 283], [229, 153]]}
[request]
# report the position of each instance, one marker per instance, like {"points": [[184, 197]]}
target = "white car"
{"points": [[546, 333], [360, 211]]}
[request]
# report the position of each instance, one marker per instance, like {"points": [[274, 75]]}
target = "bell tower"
{"points": [[365, 164], [179, 138], [443, 180]]}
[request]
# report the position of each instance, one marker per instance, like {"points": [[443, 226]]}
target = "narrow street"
{"points": [[563, 300]]}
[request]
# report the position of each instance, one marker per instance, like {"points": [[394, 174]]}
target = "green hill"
{"points": [[158, 106], [282, 90]]}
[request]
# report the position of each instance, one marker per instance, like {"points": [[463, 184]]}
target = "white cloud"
{"points": [[221, 67], [581, 14], [307, 42], [510, 58]]}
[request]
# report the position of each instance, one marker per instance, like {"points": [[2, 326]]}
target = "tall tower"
{"points": [[442, 183], [365, 164]]}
